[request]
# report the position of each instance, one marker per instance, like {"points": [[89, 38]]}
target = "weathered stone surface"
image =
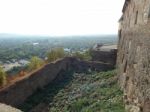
{"points": [[6, 108], [133, 61], [104, 53]]}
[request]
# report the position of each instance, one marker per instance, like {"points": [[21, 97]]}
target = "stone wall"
{"points": [[16, 93], [133, 61], [106, 56]]}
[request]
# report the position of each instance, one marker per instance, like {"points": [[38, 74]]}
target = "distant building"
{"points": [[9, 66], [35, 43], [23, 62], [67, 50], [46, 58]]}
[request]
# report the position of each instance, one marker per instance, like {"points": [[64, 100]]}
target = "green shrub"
{"points": [[35, 63], [78, 105], [2, 77], [55, 54], [80, 92]]}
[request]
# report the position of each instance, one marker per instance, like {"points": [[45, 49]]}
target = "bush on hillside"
{"points": [[78, 105], [55, 54], [35, 63], [2, 77]]}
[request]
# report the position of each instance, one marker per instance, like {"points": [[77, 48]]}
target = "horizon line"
{"points": [[39, 35]]}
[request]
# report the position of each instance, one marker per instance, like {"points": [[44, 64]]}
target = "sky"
{"points": [[60, 17]]}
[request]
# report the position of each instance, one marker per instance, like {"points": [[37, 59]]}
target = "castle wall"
{"points": [[16, 93], [105, 56], [133, 61]]}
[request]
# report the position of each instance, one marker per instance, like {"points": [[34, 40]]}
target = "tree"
{"points": [[35, 63], [60, 52], [55, 54], [2, 77]]}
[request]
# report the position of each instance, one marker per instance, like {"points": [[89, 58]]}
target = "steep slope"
{"points": [[78, 92]]}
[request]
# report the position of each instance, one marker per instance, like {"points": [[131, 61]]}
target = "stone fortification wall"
{"points": [[133, 61], [105, 56], [16, 93]]}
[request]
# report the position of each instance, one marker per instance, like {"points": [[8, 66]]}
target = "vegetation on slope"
{"points": [[35, 63], [2, 77], [55, 54], [84, 92]]}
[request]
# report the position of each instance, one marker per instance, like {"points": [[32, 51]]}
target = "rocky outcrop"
{"points": [[133, 61], [17, 92]]}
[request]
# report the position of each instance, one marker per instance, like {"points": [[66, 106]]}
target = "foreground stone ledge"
{"points": [[7, 108]]}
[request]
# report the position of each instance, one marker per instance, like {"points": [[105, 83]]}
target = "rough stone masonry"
{"points": [[133, 61]]}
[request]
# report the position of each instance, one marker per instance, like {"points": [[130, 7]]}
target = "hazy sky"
{"points": [[60, 17]]}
